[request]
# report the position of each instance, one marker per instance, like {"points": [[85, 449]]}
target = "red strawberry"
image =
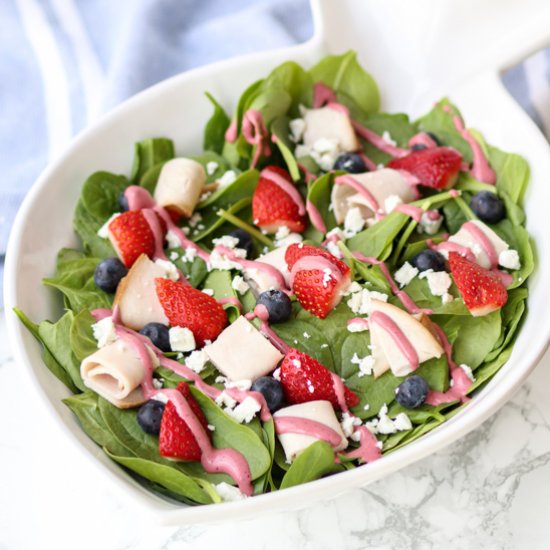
{"points": [[436, 167], [318, 289], [481, 289], [273, 206], [188, 307], [305, 379], [176, 440], [131, 236]]}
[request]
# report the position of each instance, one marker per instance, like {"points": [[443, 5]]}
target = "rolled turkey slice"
{"points": [[387, 353], [116, 372], [136, 296], [318, 411], [328, 123], [381, 184], [180, 185]]}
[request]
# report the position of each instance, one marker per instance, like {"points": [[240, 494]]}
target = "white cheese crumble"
{"points": [[353, 222], [439, 282], [103, 231], [366, 364], [196, 361], [430, 224], [220, 261], [307, 335], [405, 274], [348, 424], [239, 284], [284, 237], [190, 255], [181, 339], [243, 384], [355, 326], [104, 332], [327, 275], [297, 127], [386, 136], [334, 249], [157, 384], [227, 240], [324, 152], [194, 219], [228, 493], [468, 371], [391, 202], [170, 270], [208, 291], [225, 400], [277, 374], [211, 427], [174, 255], [245, 411], [172, 240], [228, 177], [386, 425], [360, 302], [509, 259], [211, 167]]}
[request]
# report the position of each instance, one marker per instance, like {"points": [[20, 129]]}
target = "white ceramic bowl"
{"points": [[417, 51]]}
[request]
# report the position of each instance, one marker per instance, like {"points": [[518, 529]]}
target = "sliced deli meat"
{"points": [[328, 123]]}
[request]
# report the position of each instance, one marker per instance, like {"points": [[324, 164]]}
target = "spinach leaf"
{"points": [[279, 129], [195, 271], [148, 153], [313, 463], [220, 282], [214, 131], [294, 80], [210, 156], [318, 193], [348, 79], [454, 216], [101, 192], [81, 336]]}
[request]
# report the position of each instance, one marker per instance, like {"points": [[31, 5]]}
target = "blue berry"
{"points": [[412, 392], [277, 303], [487, 207], [245, 241], [123, 202], [158, 334], [418, 147], [108, 273], [149, 416], [350, 162], [272, 390], [429, 259]]}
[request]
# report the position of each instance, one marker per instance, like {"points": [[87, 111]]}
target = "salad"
{"points": [[323, 285]]}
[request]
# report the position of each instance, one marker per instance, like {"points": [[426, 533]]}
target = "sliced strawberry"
{"points": [[273, 207], [131, 236], [436, 167], [481, 289], [188, 307], [176, 440], [318, 278], [305, 379]]}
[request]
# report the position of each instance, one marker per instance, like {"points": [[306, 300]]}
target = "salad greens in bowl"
{"points": [[321, 286]]}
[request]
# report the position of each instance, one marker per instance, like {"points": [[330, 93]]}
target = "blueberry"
{"points": [[418, 147], [272, 390], [149, 416], [412, 392], [245, 241], [487, 207], [434, 138], [429, 259], [108, 273], [158, 334], [123, 202], [351, 162], [277, 303]]}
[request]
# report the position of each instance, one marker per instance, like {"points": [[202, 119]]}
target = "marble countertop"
{"points": [[488, 490]]}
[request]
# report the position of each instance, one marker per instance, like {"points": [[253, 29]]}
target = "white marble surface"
{"points": [[489, 490]]}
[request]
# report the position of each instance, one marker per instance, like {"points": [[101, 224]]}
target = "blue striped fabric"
{"points": [[63, 62]]}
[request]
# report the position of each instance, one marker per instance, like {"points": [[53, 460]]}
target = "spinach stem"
{"points": [[466, 210], [246, 226]]}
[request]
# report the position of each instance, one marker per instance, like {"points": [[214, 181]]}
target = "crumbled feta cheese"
{"points": [[227, 240], [385, 425], [353, 287], [228, 493], [366, 407], [297, 127], [172, 240], [439, 282], [208, 291], [447, 298], [360, 302], [243, 385], [356, 326], [277, 374], [197, 360], [170, 270], [211, 167], [402, 422], [324, 152], [391, 202], [430, 222], [160, 397], [405, 274], [334, 249], [174, 255], [509, 259], [245, 411], [324, 346], [104, 332], [225, 400], [181, 339], [348, 423], [157, 384], [239, 284], [327, 275], [189, 255], [228, 177], [354, 222], [284, 237], [337, 233], [103, 231], [386, 136], [302, 151], [365, 364], [194, 219], [468, 371], [220, 261], [211, 427], [307, 335]]}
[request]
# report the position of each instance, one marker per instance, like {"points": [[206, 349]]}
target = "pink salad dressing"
{"points": [[479, 236], [359, 188], [322, 94], [370, 164], [422, 138], [378, 141], [310, 176], [231, 132], [315, 217], [340, 391], [401, 341], [152, 220], [413, 212], [289, 188], [454, 193], [412, 181], [433, 215], [307, 263], [255, 133], [260, 312], [230, 300], [452, 247], [369, 448], [305, 426], [360, 321], [335, 106], [481, 169], [138, 198]]}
